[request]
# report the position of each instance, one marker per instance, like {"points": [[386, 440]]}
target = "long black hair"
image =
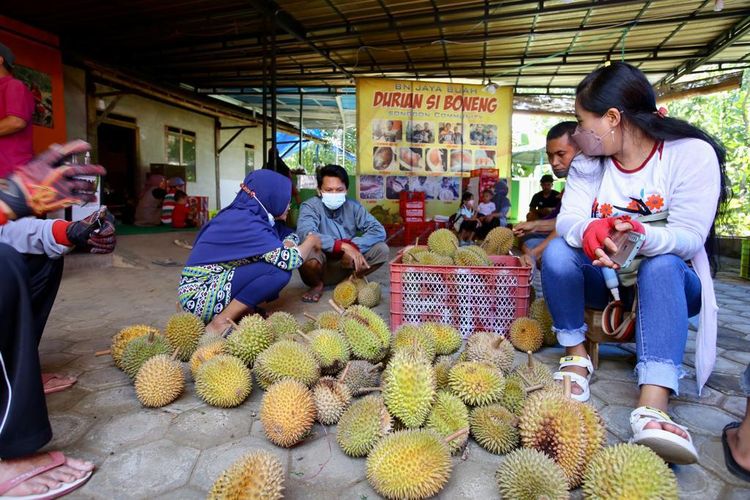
{"points": [[627, 89]]}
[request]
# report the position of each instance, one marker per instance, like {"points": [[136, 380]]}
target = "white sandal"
{"points": [[672, 447], [580, 380]]}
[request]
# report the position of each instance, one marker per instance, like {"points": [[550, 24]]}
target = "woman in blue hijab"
{"points": [[242, 258]]}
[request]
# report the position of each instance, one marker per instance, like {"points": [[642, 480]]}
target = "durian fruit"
{"points": [[345, 293], [449, 414], [283, 325], [409, 464], [466, 257], [443, 242], [525, 334], [477, 384], [410, 255], [287, 412], [140, 350], [490, 348], [629, 471], [308, 326], [366, 333], [442, 367], [330, 349], [358, 282], [359, 374], [494, 428], [481, 253], [124, 336], [556, 426], [447, 338], [409, 388], [594, 428], [331, 400], [249, 338], [328, 320], [498, 241], [206, 352], [433, 259], [208, 338], [539, 312], [362, 425], [182, 332], [408, 335], [223, 381], [286, 359], [533, 373], [514, 394], [257, 475], [369, 295], [530, 475], [159, 381]]}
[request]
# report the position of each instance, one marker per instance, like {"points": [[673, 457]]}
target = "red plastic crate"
{"points": [[469, 298]]}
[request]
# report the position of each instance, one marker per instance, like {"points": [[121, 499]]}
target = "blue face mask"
{"points": [[333, 201]]}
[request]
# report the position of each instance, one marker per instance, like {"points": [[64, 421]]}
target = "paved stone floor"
{"points": [[177, 451]]}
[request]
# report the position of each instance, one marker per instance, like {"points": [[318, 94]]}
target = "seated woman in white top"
{"points": [[655, 175]]}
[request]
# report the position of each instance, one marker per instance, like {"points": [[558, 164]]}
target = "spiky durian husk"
{"points": [[258, 475], [411, 464], [530, 475], [362, 425]]}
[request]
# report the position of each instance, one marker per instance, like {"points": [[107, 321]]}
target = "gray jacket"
{"points": [[351, 221]]}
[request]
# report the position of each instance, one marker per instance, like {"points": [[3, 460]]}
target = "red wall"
{"points": [[39, 50]]}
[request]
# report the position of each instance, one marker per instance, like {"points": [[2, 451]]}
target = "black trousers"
{"points": [[28, 286]]}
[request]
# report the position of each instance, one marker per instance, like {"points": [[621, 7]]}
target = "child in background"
{"points": [[487, 207], [182, 215], [466, 219]]}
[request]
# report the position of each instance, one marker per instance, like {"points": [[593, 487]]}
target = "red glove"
{"points": [[600, 229], [593, 237]]}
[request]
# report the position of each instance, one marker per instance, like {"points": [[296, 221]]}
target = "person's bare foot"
{"points": [[314, 294], [574, 387], [70, 471], [667, 427], [739, 447]]}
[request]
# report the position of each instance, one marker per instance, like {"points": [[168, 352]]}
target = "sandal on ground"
{"points": [[50, 386], [732, 465], [57, 459], [312, 297], [580, 380], [671, 447]]}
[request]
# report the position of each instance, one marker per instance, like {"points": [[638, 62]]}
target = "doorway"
{"points": [[117, 149]]}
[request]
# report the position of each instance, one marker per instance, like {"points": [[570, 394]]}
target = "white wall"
{"points": [[151, 117]]}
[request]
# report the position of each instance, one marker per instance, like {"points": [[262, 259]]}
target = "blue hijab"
{"points": [[501, 196], [242, 229]]}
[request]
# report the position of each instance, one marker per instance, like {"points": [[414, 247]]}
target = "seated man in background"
{"points": [[544, 202], [536, 234], [352, 239], [174, 184]]}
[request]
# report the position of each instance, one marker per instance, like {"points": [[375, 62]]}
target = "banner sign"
{"points": [[423, 137]]}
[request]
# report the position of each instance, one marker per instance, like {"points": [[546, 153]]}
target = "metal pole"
{"points": [[273, 83], [264, 146], [301, 104]]}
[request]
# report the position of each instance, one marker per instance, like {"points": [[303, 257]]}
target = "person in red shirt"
{"points": [[183, 214], [16, 111]]}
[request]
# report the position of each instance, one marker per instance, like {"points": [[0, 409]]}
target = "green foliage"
{"points": [[726, 116], [315, 154]]}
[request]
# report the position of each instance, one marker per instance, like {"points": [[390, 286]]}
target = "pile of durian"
{"points": [[442, 249], [357, 291], [406, 400]]}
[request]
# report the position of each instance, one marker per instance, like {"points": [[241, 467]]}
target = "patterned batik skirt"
{"points": [[206, 290]]}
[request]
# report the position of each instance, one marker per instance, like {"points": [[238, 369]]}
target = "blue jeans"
{"points": [[668, 291]]}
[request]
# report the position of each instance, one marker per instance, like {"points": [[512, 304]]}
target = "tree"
{"points": [[726, 116], [315, 154]]}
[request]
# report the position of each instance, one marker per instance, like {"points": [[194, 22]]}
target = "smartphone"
{"points": [[628, 245]]}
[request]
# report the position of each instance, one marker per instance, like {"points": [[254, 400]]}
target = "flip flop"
{"points": [[312, 297], [732, 465], [49, 377], [58, 459]]}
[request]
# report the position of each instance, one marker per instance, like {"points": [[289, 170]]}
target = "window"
{"points": [[249, 158], [181, 150]]}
